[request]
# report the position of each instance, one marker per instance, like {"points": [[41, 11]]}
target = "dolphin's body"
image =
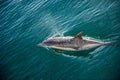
{"points": [[76, 43]]}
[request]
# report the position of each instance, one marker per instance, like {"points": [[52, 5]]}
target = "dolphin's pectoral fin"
{"points": [[79, 35]]}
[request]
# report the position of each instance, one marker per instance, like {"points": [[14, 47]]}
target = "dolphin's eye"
{"points": [[50, 42]]}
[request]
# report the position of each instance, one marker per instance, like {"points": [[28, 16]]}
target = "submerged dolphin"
{"points": [[76, 43]]}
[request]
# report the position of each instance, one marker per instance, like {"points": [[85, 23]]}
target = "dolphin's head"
{"points": [[47, 43]]}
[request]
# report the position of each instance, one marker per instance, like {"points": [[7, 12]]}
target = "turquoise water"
{"points": [[25, 23]]}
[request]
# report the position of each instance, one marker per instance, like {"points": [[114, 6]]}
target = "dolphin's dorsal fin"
{"points": [[79, 35]]}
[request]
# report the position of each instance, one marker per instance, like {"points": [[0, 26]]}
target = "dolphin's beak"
{"points": [[41, 45]]}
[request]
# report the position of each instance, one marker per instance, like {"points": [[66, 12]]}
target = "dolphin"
{"points": [[77, 43]]}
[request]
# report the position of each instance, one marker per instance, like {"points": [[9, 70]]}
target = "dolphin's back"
{"points": [[59, 41]]}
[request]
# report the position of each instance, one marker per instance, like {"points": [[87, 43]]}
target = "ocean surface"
{"points": [[25, 23]]}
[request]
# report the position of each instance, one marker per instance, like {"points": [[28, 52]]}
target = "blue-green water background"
{"points": [[25, 23]]}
